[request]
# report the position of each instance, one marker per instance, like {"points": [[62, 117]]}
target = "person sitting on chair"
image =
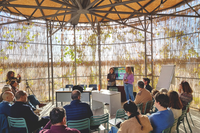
{"points": [[78, 110], [185, 93], [5, 88], [58, 122], [20, 109], [5, 105], [143, 96], [147, 86], [13, 84], [136, 122], [164, 117]]}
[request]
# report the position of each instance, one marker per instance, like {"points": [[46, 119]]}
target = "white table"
{"points": [[113, 98], [64, 95]]}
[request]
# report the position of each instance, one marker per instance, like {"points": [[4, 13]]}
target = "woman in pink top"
{"points": [[128, 83]]}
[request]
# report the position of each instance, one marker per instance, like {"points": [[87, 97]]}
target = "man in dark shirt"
{"points": [[20, 109], [58, 122], [77, 110], [146, 82]]}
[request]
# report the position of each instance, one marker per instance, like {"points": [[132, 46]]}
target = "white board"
{"points": [[167, 75]]}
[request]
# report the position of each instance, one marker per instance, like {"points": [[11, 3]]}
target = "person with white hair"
{"points": [[5, 105], [5, 88], [163, 91]]}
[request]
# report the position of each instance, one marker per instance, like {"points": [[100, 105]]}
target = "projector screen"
{"points": [[120, 71]]}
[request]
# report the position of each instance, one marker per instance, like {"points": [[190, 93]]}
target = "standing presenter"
{"points": [[128, 83], [111, 78]]}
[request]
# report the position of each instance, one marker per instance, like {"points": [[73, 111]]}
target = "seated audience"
{"points": [[78, 110], [164, 117], [185, 93], [20, 109], [136, 122], [5, 105], [147, 86], [143, 96], [175, 106], [154, 92], [58, 123], [14, 85], [163, 91], [5, 88]]}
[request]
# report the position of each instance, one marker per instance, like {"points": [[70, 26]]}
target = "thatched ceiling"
{"points": [[84, 11]]}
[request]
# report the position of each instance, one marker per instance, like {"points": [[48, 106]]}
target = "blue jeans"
{"points": [[129, 91], [113, 130]]}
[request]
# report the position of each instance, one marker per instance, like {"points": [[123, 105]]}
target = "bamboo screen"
{"points": [[175, 41]]}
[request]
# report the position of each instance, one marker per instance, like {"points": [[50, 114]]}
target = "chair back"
{"points": [[140, 106], [79, 124], [184, 113], [67, 86], [120, 113], [94, 86], [100, 119], [17, 123], [168, 130], [148, 106], [113, 88]]}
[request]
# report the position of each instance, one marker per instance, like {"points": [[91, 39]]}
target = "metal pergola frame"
{"points": [[75, 8]]}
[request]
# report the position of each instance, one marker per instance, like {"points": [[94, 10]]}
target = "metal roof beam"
{"points": [[79, 4], [139, 9], [54, 15], [91, 12], [74, 17], [4, 2], [90, 22], [91, 4], [138, 13], [38, 4], [142, 7], [63, 3], [115, 4], [39, 7], [116, 11], [191, 8], [36, 8]]}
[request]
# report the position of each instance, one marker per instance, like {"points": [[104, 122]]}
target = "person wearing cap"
{"points": [[5, 88], [5, 105]]}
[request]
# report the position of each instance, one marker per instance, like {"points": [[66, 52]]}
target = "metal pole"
{"points": [[152, 50], [75, 54], [52, 82], [48, 60], [145, 46], [99, 52]]}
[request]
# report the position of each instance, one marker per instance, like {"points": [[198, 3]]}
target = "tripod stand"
{"points": [[28, 88]]}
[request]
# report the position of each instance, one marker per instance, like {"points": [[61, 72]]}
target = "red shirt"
{"points": [[60, 129]]}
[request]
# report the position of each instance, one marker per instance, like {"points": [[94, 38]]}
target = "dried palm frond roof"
{"points": [[75, 11]]}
